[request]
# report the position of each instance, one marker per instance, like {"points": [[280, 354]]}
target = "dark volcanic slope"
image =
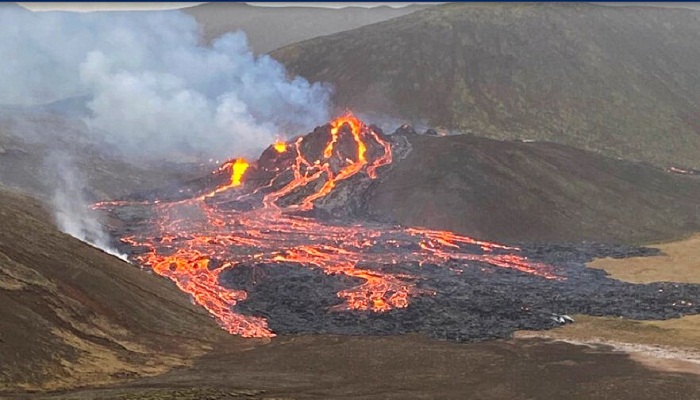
{"points": [[514, 191], [619, 80], [269, 28], [71, 314]]}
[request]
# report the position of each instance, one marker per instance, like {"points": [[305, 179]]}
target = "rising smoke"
{"points": [[153, 90], [149, 90], [72, 215]]}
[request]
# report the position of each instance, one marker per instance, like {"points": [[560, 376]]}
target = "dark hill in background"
{"points": [[73, 315], [622, 81], [534, 192], [269, 28]]}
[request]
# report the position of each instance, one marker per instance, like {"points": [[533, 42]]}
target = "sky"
{"points": [[100, 6], [105, 6], [87, 6]]}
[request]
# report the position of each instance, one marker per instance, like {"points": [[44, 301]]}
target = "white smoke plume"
{"points": [[70, 208], [153, 89]]}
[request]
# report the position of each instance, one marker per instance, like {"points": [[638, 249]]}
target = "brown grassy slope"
{"points": [[678, 262], [678, 338], [514, 191], [622, 81], [73, 315], [269, 28]]}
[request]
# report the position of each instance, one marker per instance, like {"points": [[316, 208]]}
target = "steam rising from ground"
{"points": [[147, 90], [153, 90], [71, 212]]}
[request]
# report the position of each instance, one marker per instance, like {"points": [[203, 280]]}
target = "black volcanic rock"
{"points": [[405, 130], [505, 189], [474, 301]]}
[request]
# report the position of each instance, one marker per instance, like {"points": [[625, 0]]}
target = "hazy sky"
{"points": [[339, 4], [77, 6], [67, 6]]}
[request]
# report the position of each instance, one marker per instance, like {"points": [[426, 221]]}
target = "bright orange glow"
{"points": [[192, 241], [355, 128], [237, 170], [280, 147]]}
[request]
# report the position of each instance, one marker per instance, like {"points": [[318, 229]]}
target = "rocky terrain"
{"points": [[670, 345], [97, 314], [621, 81], [473, 301], [465, 296]]}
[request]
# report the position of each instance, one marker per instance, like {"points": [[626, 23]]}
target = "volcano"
{"points": [[283, 245]]}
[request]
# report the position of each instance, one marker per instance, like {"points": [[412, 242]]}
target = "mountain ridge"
{"points": [[617, 80], [268, 28]]}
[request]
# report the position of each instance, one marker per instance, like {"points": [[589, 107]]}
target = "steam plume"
{"points": [[153, 90], [70, 208], [147, 89]]}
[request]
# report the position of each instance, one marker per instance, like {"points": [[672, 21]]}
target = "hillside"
{"points": [[32, 140], [533, 192], [269, 28], [622, 81], [73, 315]]}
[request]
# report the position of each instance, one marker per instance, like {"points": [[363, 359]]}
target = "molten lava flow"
{"points": [[355, 128], [192, 241], [280, 147], [238, 168]]}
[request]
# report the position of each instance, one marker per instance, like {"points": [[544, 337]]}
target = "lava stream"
{"points": [[192, 241]]}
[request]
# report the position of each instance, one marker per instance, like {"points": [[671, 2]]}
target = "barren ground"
{"points": [[672, 345], [406, 367]]}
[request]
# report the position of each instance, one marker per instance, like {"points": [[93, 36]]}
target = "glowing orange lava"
{"points": [[237, 170], [280, 147], [192, 241]]}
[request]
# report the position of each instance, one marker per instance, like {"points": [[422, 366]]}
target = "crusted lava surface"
{"points": [[280, 246]]}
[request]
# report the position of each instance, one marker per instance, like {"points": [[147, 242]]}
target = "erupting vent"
{"points": [[261, 214]]}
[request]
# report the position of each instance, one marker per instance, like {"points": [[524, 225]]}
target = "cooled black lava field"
{"points": [[280, 246]]}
